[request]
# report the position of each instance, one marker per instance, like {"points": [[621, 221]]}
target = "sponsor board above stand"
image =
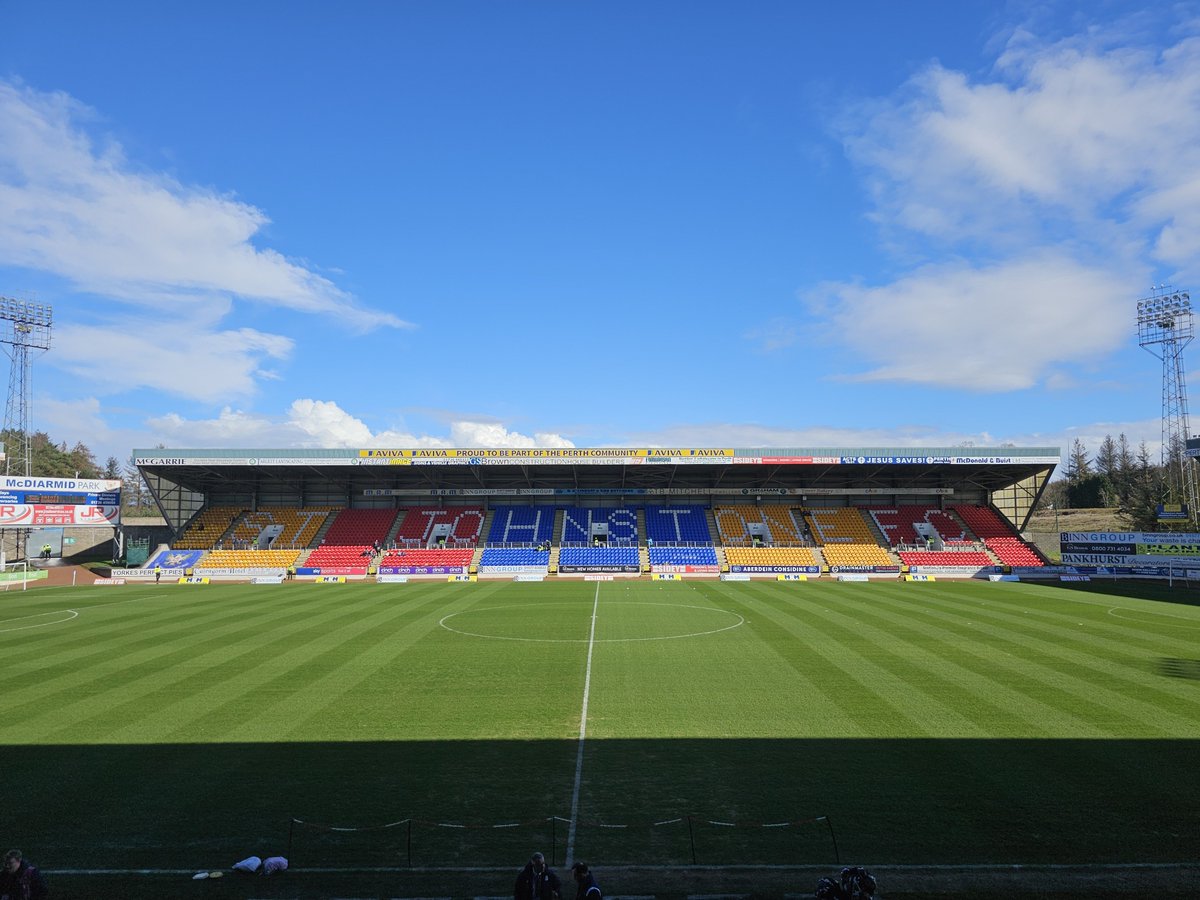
{"points": [[335, 570], [513, 570], [687, 570]]}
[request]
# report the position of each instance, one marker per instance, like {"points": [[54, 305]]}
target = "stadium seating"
{"points": [[998, 536], [732, 521], [898, 524], [300, 526], [782, 525], [677, 525], [578, 521], [682, 556], [770, 556], [521, 524], [350, 541], [207, 527], [1012, 551], [466, 522], [458, 557], [598, 557], [500, 557], [248, 559], [976, 558], [856, 555], [839, 526]]}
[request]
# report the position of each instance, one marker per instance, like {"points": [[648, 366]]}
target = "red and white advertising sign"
{"points": [[26, 515]]}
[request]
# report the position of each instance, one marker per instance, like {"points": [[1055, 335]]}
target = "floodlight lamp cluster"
{"points": [[26, 313], [1163, 311]]}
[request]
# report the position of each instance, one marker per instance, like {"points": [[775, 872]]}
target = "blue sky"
{"points": [[588, 224]]}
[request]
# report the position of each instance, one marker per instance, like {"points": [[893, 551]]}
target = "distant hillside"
{"points": [[1076, 520]]}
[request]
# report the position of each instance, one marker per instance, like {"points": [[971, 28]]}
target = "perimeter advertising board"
{"points": [[1130, 549]]}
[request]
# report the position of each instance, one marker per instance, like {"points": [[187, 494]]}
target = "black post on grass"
{"points": [[408, 842], [837, 857], [291, 834], [692, 839]]}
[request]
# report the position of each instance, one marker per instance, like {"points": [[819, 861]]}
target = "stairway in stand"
{"points": [[395, 529]]}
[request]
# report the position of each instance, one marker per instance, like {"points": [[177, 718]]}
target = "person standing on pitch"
{"points": [[537, 881], [585, 883]]}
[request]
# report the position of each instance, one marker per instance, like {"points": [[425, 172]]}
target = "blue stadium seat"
{"points": [[593, 557], [522, 524], [677, 525], [514, 556], [578, 521], [683, 556]]}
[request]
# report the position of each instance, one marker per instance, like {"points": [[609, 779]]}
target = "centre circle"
{"points": [[571, 623]]}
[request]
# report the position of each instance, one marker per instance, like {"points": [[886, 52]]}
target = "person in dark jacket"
{"points": [[537, 881], [585, 882], [20, 879]]}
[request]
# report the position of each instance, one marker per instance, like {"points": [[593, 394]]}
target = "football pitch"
{"points": [[622, 722]]}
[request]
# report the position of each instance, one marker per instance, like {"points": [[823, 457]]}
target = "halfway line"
{"points": [[587, 687]]}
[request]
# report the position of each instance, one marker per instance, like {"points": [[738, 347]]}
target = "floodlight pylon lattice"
{"points": [[1165, 327], [24, 330]]}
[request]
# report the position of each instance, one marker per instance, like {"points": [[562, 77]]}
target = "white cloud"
{"points": [[1075, 133], [323, 423], [990, 329], [1068, 176], [203, 364], [82, 212]]}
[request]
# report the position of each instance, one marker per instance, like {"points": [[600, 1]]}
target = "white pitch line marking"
{"points": [[74, 615], [587, 688]]}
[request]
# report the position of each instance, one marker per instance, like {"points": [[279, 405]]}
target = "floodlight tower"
{"points": [[1165, 327], [24, 328]]}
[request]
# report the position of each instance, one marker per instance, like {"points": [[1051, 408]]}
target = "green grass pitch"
{"points": [[185, 726]]}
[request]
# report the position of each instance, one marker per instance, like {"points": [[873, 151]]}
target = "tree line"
{"points": [[1119, 477], [54, 459]]}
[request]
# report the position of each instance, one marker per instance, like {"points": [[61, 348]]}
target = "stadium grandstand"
{"points": [[541, 512]]}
